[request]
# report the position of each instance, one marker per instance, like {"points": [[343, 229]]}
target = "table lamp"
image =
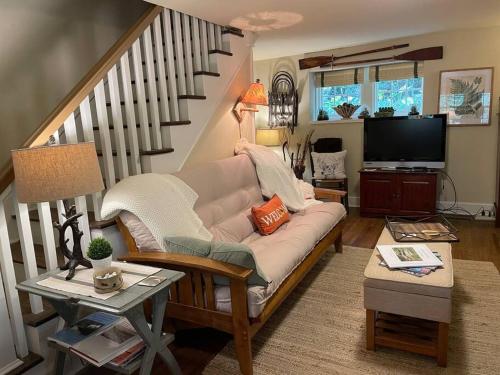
{"points": [[59, 172], [269, 136]]}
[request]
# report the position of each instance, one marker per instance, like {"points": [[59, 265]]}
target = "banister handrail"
{"points": [[82, 89]]}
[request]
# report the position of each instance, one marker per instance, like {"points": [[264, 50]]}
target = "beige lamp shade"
{"points": [[49, 173], [269, 137]]}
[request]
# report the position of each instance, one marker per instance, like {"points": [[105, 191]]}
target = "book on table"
{"points": [[102, 348], [408, 256], [84, 328], [100, 338]]}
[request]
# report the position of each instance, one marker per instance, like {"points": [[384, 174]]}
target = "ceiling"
{"points": [[290, 27]]}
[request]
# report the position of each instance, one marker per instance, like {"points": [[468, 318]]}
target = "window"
{"points": [[397, 85], [401, 94], [333, 96]]}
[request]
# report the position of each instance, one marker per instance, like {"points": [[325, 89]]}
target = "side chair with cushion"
{"points": [[326, 175]]}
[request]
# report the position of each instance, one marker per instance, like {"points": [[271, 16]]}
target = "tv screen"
{"points": [[405, 142]]}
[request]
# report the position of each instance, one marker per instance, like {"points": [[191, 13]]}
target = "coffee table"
{"points": [[409, 312]]}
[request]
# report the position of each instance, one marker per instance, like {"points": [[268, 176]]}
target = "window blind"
{"points": [[339, 77], [391, 72]]}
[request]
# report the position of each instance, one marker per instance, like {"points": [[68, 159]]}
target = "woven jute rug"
{"points": [[320, 328]]}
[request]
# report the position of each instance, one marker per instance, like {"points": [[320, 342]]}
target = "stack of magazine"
{"points": [[414, 259], [100, 338]]}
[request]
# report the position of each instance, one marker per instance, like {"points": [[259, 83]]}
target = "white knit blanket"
{"points": [[276, 177], [164, 203]]}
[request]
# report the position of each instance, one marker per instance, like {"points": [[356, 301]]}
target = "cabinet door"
{"points": [[416, 194], [378, 192]]}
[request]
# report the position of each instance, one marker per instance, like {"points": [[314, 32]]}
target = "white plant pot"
{"points": [[99, 264]]}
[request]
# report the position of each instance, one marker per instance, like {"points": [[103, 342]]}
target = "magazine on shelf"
{"points": [[408, 256], [108, 344], [129, 355], [84, 328]]}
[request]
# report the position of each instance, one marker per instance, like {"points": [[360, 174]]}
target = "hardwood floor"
{"points": [[194, 349]]}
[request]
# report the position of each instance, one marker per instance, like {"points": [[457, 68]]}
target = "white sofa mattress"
{"points": [[281, 252]]}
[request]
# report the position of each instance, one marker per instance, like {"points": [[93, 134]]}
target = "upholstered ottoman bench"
{"points": [[409, 312]]}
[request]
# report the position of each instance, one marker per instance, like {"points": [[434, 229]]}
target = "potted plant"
{"points": [[322, 115], [100, 253]]}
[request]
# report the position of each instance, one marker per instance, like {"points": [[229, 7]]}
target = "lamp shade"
{"points": [[49, 173], [255, 94], [269, 137]]}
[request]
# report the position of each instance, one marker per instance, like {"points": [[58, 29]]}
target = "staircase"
{"points": [[144, 104]]}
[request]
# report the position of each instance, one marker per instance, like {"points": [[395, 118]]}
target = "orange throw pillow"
{"points": [[270, 216]]}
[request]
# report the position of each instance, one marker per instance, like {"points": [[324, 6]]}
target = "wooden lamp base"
{"points": [[74, 257]]}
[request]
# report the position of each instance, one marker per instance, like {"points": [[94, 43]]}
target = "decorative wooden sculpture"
{"points": [[283, 101], [75, 257]]}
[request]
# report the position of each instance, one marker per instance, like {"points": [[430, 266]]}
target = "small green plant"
{"points": [[99, 248]]}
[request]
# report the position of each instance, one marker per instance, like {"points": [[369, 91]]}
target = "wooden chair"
{"points": [[329, 145]]}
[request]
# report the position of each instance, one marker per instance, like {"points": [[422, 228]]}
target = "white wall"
{"points": [[472, 150], [46, 47]]}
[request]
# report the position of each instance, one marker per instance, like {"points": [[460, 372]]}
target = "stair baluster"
{"points": [[154, 114], [170, 65], [9, 281]]}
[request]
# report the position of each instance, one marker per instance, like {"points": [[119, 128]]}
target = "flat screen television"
{"points": [[407, 142]]}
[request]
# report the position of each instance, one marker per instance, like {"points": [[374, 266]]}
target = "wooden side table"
{"points": [[128, 303]]}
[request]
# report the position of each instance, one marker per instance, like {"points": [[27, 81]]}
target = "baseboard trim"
{"points": [[469, 206]]}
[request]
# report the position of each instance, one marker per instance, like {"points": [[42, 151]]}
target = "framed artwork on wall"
{"points": [[465, 96]]}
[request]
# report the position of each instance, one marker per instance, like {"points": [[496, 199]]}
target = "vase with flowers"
{"points": [[298, 155]]}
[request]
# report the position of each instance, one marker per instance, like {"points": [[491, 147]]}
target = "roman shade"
{"points": [[390, 72], [339, 77]]}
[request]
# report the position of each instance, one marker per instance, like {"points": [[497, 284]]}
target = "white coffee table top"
{"points": [[441, 278]]}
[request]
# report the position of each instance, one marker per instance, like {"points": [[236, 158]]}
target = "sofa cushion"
{"points": [[234, 253], [281, 252], [227, 189], [269, 216]]}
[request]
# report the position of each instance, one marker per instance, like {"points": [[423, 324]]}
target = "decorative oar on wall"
{"points": [[430, 53]]}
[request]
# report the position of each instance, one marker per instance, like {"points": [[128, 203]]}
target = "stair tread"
{"points": [[191, 96], [220, 51], [163, 123], [166, 150], [17, 255], [113, 152], [233, 31], [33, 214], [29, 362], [206, 73]]}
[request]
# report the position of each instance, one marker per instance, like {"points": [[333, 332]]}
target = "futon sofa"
{"points": [[227, 190]]}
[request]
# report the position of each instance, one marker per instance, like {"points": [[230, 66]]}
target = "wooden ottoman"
{"points": [[409, 312]]}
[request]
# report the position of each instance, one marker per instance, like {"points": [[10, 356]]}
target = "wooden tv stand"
{"points": [[397, 192]]}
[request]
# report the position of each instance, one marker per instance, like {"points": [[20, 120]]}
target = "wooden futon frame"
{"points": [[192, 298]]}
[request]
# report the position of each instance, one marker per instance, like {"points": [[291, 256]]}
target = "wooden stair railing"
{"points": [[68, 105]]}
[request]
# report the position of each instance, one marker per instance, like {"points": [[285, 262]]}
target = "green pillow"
{"points": [[234, 253]]}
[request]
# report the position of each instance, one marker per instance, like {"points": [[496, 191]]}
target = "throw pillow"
{"points": [[234, 253], [329, 165], [270, 216]]}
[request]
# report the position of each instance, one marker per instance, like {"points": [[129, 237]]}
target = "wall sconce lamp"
{"points": [[255, 95]]}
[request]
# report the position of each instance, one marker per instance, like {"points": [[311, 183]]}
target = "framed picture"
{"points": [[465, 96]]}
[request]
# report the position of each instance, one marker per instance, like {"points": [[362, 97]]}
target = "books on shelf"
{"points": [[408, 256], [105, 346], [101, 338], [86, 327]]}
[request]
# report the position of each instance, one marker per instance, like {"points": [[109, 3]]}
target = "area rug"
{"points": [[320, 328]]}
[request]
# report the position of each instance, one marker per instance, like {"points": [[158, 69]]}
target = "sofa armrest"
{"points": [[329, 194], [190, 262]]}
